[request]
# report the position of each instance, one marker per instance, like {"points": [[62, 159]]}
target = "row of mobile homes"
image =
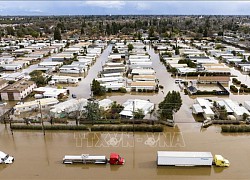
{"points": [[45, 103]]}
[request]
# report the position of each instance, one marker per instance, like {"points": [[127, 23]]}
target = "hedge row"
{"points": [[214, 92], [48, 127], [101, 122], [235, 129], [128, 128]]}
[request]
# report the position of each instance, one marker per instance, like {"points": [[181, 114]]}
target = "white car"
{"points": [[5, 158]]}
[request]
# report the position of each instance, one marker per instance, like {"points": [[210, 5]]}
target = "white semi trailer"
{"points": [[181, 158]]}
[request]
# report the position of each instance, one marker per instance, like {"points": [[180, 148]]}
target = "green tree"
{"points": [[57, 34], [177, 51], [223, 113], [220, 33], [151, 32], [114, 111], [97, 89], [38, 77], [115, 50], [130, 47], [172, 102], [138, 114], [245, 116], [92, 111], [10, 30]]}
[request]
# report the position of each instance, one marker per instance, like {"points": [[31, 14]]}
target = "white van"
{"points": [[5, 158]]}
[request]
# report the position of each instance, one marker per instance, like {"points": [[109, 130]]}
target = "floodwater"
{"points": [[39, 157]]}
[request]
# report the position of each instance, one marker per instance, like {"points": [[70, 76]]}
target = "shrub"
{"points": [[122, 90], [139, 90], [185, 91], [109, 90]]}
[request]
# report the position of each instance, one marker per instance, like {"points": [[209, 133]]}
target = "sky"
{"points": [[109, 7]]}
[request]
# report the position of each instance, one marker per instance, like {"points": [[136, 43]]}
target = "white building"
{"points": [[64, 108], [203, 106], [64, 79], [134, 105]]}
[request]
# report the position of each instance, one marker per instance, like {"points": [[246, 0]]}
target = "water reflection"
{"points": [[184, 171], [3, 166]]}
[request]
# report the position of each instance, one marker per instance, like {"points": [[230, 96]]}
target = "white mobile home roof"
{"points": [[247, 105], [238, 110], [143, 71], [45, 101], [197, 108]]}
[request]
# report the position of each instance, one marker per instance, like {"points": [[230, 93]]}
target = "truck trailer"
{"points": [[6, 158], [115, 159], [181, 158]]}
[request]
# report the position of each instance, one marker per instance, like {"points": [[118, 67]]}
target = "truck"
{"points": [[182, 158], [114, 159], [6, 158]]}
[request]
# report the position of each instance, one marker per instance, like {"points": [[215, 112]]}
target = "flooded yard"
{"points": [[39, 157]]}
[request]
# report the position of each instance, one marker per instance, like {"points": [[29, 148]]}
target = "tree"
{"points": [[177, 51], [220, 33], [115, 50], [97, 89], [130, 47], [57, 34], [171, 103], [245, 116], [151, 32], [92, 111], [223, 112], [10, 30], [114, 111], [38, 77], [139, 114]]}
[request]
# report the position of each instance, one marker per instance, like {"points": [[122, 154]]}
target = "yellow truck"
{"points": [[219, 160]]}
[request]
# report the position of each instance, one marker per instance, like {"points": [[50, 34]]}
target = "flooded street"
{"points": [[38, 157]]}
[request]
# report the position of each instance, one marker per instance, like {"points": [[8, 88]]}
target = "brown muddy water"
{"points": [[39, 157]]}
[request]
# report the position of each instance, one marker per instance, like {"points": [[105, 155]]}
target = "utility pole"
{"points": [[40, 108], [133, 117]]}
